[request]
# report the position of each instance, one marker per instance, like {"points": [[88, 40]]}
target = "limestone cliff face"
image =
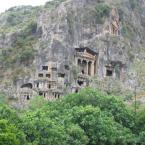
{"points": [[62, 26], [73, 24], [68, 26]]}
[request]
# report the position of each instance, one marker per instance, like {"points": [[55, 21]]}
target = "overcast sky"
{"points": [[6, 4]]}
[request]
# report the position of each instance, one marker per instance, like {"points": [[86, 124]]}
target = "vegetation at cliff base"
{"points": [[87, 118]]}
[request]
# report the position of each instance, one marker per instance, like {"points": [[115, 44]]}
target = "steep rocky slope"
{"points": [[31, 36]]}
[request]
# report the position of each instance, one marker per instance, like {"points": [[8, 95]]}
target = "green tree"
{"points": [[76, 135], [9, 114], [43, 131], [141, 138], [99, 128], [111, 105], [86, 118], [10, 135]]}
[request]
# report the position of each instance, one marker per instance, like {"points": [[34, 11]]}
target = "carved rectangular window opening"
{"points": [[48, 75], [61, 75], [54, 69], [37, 85], [44, 67], [49, 86], [80, 83], [40, 75], [109, 72], [28, 97], [66, 67], [40, 93]]}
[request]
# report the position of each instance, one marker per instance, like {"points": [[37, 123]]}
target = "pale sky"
{"points": [[6, 4]]}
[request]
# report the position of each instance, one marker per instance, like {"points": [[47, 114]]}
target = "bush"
{"points": [[53, 4], [133, 3], [141, 138], [22, 51], [102, 11], [128, 30], [10, 135], [111, 105]]}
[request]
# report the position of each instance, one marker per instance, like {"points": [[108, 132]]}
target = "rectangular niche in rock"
{"points": [[109, 70], [44, 67], [48, 75], [40, 93], [54, 68], [61, 75], [40, 75]]}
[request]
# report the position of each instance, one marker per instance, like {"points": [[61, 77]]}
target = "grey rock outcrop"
{"points": [[73, 24]]}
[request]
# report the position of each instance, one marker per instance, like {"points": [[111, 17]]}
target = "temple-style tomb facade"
{"points": [[86, 62]]}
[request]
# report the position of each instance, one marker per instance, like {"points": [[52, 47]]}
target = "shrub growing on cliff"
{"points": [[102, 11], [53, 4], [133, 3]]}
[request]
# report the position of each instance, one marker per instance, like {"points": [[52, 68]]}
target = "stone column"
{"points": [[78, 64], [95, 67], [122, 74], [40, 85], [43, 85], [87, 67], [44, 95], [76, 61], [114, 73], [92, 68], [81, 67]]}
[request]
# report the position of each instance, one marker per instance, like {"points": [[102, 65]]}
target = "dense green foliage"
{"points": [[22, 51], [86, 118], [20, 24], [102, 11], [133, 3], [10, 134], [16, 18], [53, 4]]}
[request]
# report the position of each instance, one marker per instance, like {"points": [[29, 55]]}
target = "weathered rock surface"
{"points": [[73, 24]]}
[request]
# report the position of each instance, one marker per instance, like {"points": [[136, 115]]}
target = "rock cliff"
{"points": [[32, 36]]}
